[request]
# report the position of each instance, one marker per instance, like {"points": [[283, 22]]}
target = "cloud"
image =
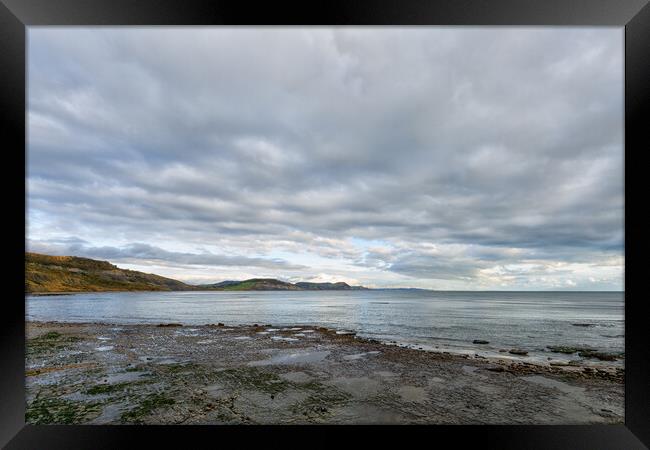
{"points": [[254, 142], [143, 252]]}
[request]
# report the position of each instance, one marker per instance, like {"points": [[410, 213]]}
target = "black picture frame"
{"points": [[16, 15]]}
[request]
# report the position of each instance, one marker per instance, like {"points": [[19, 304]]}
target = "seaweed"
{"points": [[56, 410], [146, 407], [49, 342], [106, 388], [320, 401], [252, 378]]}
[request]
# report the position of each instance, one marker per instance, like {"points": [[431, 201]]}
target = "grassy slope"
{"points": [[259, 284], [44, 273], [270, 284]]}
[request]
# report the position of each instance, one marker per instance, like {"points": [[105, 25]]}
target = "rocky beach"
{"points": [[170, 373]]}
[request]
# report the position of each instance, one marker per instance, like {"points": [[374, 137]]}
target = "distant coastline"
{"points": [[66, 275], [58, 275]]}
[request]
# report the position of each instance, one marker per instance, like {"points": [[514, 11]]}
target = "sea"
{"points": [[429, 320]]}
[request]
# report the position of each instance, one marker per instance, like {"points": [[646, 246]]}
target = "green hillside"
{"points": [[254, 284], [45, 273], [270, 284]]}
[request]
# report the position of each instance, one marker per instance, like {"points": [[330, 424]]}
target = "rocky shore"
{"points": [[261, 374]]}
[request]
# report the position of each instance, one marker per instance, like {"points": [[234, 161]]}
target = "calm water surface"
{"points": [[432, 319]]}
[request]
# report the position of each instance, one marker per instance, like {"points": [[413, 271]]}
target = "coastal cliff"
{"points": [[61, 274], [45, 273]]}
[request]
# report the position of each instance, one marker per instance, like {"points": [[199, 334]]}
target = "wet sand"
{"points": [[260, 374]]}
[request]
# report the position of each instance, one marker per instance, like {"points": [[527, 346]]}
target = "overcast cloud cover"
{"points": [[445, 158]]}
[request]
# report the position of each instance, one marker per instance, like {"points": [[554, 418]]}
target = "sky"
{"points": [[451, 158]]}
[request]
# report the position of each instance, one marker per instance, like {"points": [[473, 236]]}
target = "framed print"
{"points": [[354, 217]]}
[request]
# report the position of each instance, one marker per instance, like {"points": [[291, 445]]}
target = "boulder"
{"points": [[566, 349], [346, 333], [518, 351], [598, 355]]}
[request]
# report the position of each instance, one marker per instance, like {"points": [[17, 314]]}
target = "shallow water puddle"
{"points": [[414, 394], [161, 360], [271, 351], [385, 374], [470, 369], [435, 380], [48, 379], [265, 408], [169, 361], [81, 397], [186, 333], [104, 338], [359, 355], [111, 413], [293, 358], [123, 377], [280, 338], [559, 385], [216, 390], [359, 387], [572, 405], [104, 348], [363, 413], [296, 377], [242, 338]]}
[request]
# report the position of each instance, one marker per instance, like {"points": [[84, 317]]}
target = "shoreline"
{"points": [[557, 360], [117, 373]]}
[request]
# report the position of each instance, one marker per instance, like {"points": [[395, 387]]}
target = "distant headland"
{"points": [[65, 274]]}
